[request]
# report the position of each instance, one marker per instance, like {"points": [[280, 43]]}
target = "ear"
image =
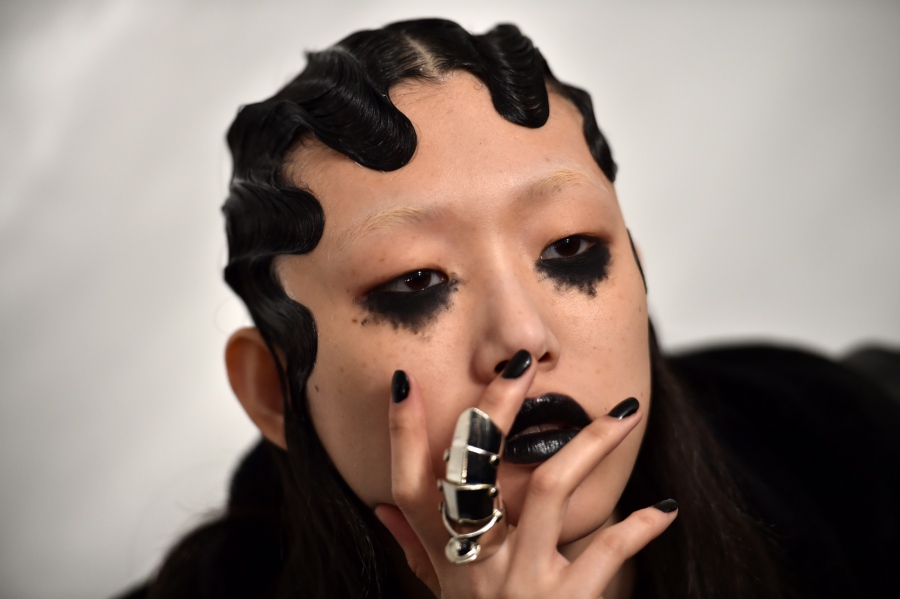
{"points": [[254, 379]]}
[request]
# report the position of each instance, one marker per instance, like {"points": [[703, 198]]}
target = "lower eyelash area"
{"points": [[582, 272], [411, 311]]}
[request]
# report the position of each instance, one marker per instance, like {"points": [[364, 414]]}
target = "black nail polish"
{"points": [[667, 506], [517, 365], [399, 386], [624, 409]]}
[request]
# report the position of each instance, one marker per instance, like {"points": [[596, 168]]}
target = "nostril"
{"points": [[545, 357]]}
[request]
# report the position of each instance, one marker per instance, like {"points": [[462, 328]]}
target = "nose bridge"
{"points": [[514, 318]]}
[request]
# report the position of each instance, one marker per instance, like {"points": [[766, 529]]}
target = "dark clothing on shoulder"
{"points": [[815, 447]]}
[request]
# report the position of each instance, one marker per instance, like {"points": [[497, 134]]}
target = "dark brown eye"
{"points": [[576, 262], [567, 248], [417, 280]]}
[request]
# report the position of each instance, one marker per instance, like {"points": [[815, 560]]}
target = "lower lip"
{"points": [[536, 447]]}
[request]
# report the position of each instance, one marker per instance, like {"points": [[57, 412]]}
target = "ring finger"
{"points": [[554, 482]]}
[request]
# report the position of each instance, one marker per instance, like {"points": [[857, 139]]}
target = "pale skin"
{"points": [[481, 203]]}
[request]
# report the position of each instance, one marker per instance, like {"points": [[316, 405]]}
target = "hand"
{"points": [[528, 563]]}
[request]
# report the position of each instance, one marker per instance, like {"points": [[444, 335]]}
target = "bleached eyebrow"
{"points": [[382, 219], [554, 182], [406, 215]]}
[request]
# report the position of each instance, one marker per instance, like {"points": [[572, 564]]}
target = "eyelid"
{"points": [[405, 277], [590, 240], [582, 271], [409, 309]]}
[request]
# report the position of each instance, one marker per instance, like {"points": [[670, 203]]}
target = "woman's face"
{"points": [[494, 238]]}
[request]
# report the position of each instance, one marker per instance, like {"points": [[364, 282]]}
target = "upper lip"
{"points": [[550, 408]]}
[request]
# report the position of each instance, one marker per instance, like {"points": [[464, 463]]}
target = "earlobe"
{"points": [[253, 375]]}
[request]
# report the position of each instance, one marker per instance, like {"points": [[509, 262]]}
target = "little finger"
{"points": [[612, 546]]}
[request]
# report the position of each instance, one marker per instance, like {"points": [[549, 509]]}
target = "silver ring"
{"points": [[471, 497], [463, 548]]}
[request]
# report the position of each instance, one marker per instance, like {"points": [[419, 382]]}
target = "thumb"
{"points": [[416, 555]]}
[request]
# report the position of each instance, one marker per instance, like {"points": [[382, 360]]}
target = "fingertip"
{"points": [[667, 506], [624, 409], [504, 395], [399, 386], [405, 404], [517, 365], [405, 408]]}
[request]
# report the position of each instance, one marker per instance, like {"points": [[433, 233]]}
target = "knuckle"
{"points": [[544, 482], [646, 520], [404, 492], [515, 590], [496, 391], [614, 543], [397, 425], [502, 400], [595, 434]]}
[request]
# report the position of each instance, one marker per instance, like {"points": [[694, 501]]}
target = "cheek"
{"points": [[595, 500], [349, 394], [605, 358], [604, 341], [620, 368], [349, 398], [612, 337]]}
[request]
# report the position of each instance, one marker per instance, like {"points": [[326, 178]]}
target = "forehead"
{"points": [[465, 152]]}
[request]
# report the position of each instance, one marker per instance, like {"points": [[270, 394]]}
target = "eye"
{"points": [[577, 262], [414, 282], [567, 248], [412, 300]]}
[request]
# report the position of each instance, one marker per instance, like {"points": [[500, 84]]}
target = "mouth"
{"points": [[542, 427]]}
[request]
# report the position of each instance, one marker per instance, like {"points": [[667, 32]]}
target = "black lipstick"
{"points": [[542, 427]]}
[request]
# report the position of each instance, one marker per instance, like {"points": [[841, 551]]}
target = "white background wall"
{"points": [[759, 154]]}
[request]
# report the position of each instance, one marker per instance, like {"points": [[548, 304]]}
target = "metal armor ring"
{"points": [[471, 498]]}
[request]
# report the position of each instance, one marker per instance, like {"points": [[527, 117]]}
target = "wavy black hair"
{"points": [[294, 528]]}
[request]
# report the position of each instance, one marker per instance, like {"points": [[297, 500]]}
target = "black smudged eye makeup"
{"points": [[411, 300], [578, 262]]}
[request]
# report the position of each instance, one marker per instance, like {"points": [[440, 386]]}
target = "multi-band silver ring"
{"points": [[472, 505]]}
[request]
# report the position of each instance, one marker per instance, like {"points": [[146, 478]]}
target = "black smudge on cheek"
{"points": [[411, 311], [582, 272]]}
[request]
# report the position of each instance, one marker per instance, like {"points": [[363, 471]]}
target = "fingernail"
{"points": [[667, 506], [517, 365], [399, 386], [624, 409]]}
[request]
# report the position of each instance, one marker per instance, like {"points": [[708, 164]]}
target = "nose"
{"points": [[514, 318]]}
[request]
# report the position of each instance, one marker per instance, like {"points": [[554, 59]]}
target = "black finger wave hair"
{"points": [[309, 535]]}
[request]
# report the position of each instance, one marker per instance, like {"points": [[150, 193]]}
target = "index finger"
{"points": [[504, 395]]}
